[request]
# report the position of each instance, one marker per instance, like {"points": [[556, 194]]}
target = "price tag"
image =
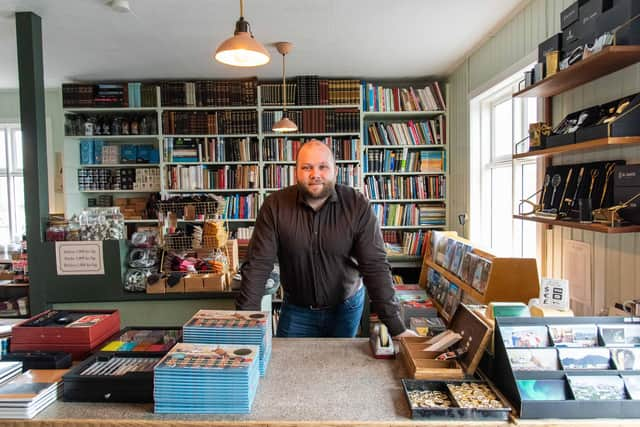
{"points": [[554, 293]]}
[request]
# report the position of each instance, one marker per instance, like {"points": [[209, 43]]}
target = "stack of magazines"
{"points": [[206, 379], [232, 327], [25, 395]]}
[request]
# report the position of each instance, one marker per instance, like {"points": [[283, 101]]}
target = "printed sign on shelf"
{"points": [[79, 258], [554, 293]]}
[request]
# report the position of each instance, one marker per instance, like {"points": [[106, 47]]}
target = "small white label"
{"points": [[554, 293], [79, 258]]}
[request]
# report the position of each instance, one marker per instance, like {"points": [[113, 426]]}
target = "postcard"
{"points": [[574, 335], [539, 359], [626, 358], [585, 358], [620, 335], [525, 336], [597, 387], [633, 385], [542, 389]]}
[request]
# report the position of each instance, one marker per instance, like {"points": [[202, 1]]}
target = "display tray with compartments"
{"points": [[136, 339], [468, 400], [74, 331], [422, 364], [112, 377], [569, 367]]}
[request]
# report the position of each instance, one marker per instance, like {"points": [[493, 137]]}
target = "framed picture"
{"points": [[538, 359], [620, 335], [585, 358]]}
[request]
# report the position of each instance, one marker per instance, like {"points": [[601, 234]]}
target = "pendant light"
{"points": [[242, 50], [284, 124]]}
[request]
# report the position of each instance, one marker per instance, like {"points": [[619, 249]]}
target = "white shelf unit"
{"points": [[368, 117], [261, 190]]}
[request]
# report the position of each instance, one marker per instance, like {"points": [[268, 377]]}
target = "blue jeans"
{"points": [[340, 321]]}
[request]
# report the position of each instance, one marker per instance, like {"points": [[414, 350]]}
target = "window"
{"points": [[498, 122], [12, 219]]}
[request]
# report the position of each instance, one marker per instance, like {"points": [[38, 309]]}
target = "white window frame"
{"points": [[483, 159], [13, 169]]}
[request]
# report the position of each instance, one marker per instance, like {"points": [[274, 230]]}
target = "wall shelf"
{"points": [[401, 114], [587, 145], [607, 61], [597, 227], [414, 146]]}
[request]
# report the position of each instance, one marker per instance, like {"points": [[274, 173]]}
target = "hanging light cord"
{"points": [[284, 88], [241, 8]]}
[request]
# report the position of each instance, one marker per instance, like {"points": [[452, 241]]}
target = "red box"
{"points": [[73, 331]]}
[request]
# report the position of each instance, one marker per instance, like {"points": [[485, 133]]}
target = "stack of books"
{"points": [[233, 328], [29, 393], [206, 379]]}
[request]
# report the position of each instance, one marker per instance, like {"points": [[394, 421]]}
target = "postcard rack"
{"points": [[453, 266], [569, 367]]}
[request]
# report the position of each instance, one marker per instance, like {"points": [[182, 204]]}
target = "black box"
{"points": [[549, 45], [94, 381], [626, 184], [571, 35], [558, 140], [625, 124], [39, 359], [569, 15], [619, 18], [591, 11]]}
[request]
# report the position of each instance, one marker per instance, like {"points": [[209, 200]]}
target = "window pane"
{"points": [[17, 150], [501, 221], [502, 129], [5, 233], [3, 151], [18, 209]]}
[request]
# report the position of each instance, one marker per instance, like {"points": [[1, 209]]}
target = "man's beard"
{"points": [[326, 191]]}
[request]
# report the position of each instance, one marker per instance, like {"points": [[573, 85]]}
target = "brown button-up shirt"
{"points": [[322, 254]]}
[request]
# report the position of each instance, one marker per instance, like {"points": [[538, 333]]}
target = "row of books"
{"points": [[24, 395], [209, 122], [314, 92], [405, 161], [405, 187], [426, 132], [316, 121], [200, 177], [132, 95], [210, 149], [279, 176], [396, 214], [284, 149], [446, 293], [380, 98], [209, 93], [414, 243], [238, 206]]}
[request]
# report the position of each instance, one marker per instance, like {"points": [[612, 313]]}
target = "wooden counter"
{"points": [[310, 382]]}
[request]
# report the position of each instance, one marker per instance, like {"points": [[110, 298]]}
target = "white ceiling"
{"points": [[384, 39]]}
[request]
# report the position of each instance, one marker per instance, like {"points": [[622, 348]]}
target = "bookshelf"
{"points": [[404, 160]]}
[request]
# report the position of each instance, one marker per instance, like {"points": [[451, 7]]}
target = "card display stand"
{"points": [[74, 331], [504, 279], [569, 367], [475, 337]]}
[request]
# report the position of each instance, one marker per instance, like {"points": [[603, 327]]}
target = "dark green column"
{"points": [[32, 119]]}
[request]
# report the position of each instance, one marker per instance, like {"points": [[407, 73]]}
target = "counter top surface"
{"points": [[310, 382]]}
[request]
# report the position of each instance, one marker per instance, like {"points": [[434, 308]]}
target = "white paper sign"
{"points": [[554, 293], [79, 258]]}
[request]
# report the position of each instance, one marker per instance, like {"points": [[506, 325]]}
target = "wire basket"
{"points": [[200, 209], [187, 243]]}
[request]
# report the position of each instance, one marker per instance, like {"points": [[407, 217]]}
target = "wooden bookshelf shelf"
{"points": [[311, 107], [609, 60], [403, 173], [115, 137], [123, 165], [597, 227], [109, 109], [413, 146], [587, 145], [401, 114]]}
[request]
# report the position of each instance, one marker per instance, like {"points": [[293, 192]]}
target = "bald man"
{"points": [[328, 244]]}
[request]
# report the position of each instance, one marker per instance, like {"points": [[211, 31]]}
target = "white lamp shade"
{"points": [[284, 125], [242, 50]]}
